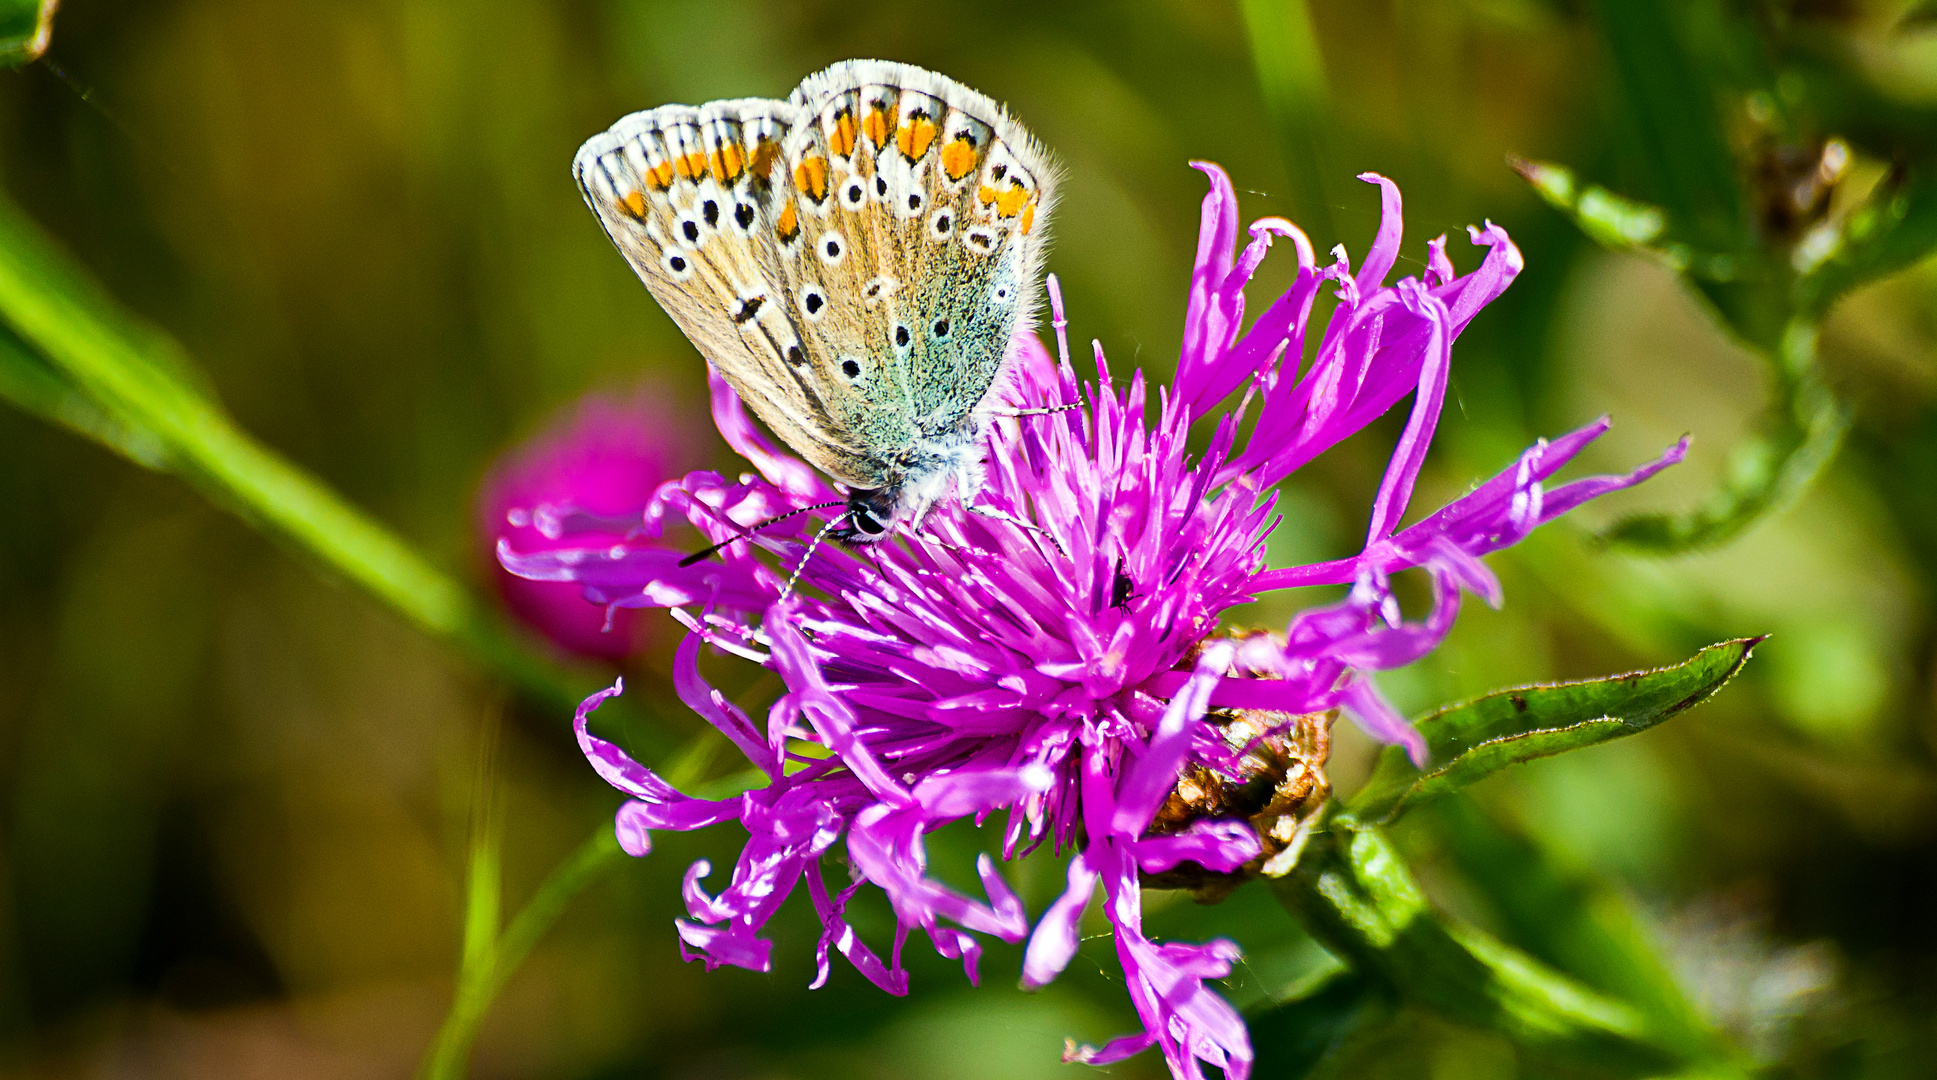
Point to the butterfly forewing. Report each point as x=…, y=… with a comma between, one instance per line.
x=694, y=199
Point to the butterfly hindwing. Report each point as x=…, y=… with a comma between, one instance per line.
x=935, y=205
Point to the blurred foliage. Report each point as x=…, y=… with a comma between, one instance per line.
x=238, y=802
x=25, y=27
x=1751, y=222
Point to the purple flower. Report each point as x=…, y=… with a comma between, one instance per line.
x=1063, y=676
x=585, y=480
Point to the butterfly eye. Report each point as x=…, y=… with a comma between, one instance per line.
x=812, y=302
x=866, y=523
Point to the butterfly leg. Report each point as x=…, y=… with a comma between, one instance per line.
x=1045, y=411
x=1001, y=515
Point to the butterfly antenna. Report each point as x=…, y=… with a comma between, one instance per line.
x=697, y=556
x=802, y=568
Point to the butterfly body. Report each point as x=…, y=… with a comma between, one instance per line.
x=855, y=261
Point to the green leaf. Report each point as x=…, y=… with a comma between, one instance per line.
x=1611, y=220
x=31, y=384
x=1468, y=742
x=1894, y=228
x=25, y=28
x=1570, y=917
x=1353, y=892
x=1619, y=223
x=490, y=965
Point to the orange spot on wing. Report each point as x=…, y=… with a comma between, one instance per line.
x=986, y=195
x=727, y=163
x=764, y=155
x=810, y=176
x=1028, y=217
x=841, y=141
x=788, y=225
x=634, y=203
x=958, y=157
x=879, y=124
x=918, y=136
x=660, y=176
x=689, y=166
x=1009, y=203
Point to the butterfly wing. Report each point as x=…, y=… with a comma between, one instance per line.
x=696, y=198
x=855, y=261
x=924, y=212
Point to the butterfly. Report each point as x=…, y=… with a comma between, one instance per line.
x=855, y=261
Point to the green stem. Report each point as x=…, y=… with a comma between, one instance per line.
x=1353, y=892
x=488, y=966
x=140, y=382
x=1572, y=919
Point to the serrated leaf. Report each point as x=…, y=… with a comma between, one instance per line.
x=1468, y=742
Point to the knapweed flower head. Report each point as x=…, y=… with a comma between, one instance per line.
x=583, y=480
x=1062, y=675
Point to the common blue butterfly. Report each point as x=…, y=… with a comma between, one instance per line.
x=855, y=261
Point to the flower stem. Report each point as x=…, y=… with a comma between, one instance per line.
x=489, y=964
x=1353, y=892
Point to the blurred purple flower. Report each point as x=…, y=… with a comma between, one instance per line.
x=1064, y=675
x=586, y=479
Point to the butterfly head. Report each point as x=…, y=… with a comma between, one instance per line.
x=926, y=473
x=871, y=515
